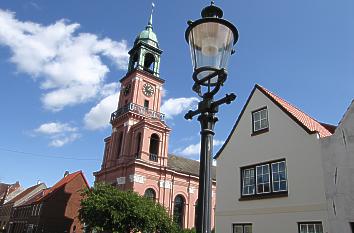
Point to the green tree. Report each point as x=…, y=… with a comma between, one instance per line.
x=107, y=209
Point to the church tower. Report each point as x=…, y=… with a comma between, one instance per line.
x=139, y=132
x=136, y=153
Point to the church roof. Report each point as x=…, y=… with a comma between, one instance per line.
x=189, y=166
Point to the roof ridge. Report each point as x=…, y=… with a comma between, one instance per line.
x=292, y=105
x=314, y=126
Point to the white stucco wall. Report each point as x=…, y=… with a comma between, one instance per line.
x=338, y=157
x=285, y=140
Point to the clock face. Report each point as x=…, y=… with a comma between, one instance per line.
x=127, y=90
x=148, y=89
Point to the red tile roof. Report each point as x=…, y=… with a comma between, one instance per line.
x=302, y=118
x=305, y=121
x=45, y=193
x=67, y=179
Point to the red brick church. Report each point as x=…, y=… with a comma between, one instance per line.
x=136, y=153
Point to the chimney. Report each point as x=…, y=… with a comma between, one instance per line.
x=66, y=173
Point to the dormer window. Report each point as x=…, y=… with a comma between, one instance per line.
x=260, y=121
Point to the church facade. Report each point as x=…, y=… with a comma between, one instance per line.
x=136, y=153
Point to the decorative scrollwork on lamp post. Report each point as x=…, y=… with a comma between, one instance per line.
x=211, y=40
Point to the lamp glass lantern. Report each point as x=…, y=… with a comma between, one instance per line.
x=210, y=39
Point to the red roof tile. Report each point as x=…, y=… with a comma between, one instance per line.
x=302, y=118
x=60, y=184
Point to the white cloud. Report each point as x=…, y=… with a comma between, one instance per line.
x=55, y=128
x=98, y=117
x=58, y=133
x=193, y=150
x=67, y=64
x=61, y=141
x=176, y=106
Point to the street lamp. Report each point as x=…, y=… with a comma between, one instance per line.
x=210, y=39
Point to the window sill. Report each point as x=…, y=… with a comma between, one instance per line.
x=264, y=196
x=260, y=132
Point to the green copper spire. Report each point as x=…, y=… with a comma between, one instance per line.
x=147, y=35
x=145, y=54
x=150, y=19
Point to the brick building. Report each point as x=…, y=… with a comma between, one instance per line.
x=53, y=210
x=136, y=154
x=24, y=196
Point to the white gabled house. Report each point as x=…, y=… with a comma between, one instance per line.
x=270, y=177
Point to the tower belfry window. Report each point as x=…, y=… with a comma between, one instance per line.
x=149, y=62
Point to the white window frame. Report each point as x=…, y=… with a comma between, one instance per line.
x=318, y=229
x=251, y=179
x=260, y=120
x=280, y=180
x=263, y=174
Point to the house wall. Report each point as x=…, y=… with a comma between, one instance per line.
x=338, y=157
x=60, y=210
x=285, y=139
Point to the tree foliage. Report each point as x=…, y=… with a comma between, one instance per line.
x=105, y=208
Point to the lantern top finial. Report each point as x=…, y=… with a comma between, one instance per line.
x=212, y=11
x=148, y=35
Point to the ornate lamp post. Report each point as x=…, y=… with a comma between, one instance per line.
x=211, y=39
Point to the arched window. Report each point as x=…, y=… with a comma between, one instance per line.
x=178, y=210
x=149, y=62
x=137, y=149
x=154, y=147
x=150, y=193
x=133, y=62
x=120, y=143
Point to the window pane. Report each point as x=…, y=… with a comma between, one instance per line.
x=283, y=185
x=257, y=125
x=266, y=188
x=248, y=181
x=248, y=228
x=275, y=166
x=264, y=124
x=238, y=229
x=276, y=186
x=263, y=113
x=282, y=176
x=256, y=116
x=319, y=228
x=311, y=228
x=275, y=177
x=303, y=228
x=279, y=176
x=266, y=179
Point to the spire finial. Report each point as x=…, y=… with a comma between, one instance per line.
x=212, y=3
x=150, y=19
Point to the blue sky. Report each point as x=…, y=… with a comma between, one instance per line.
x=60, y=62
